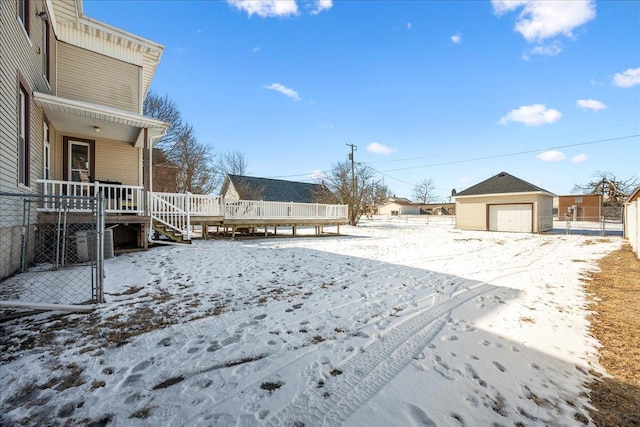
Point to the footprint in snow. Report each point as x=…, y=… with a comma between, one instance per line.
x=499, y=366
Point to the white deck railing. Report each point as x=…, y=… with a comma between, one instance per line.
x=119, y=199
x=251, y=209
x=175, y=210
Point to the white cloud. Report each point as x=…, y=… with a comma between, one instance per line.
x=409, y=26
x=376, y=147
x=541, y=20
x=256, y=49
x=317, y=175
x=284, y=90
x=551, y=156
x=266, y=8
x=322, y=5
x=591, y=104
x=595, y=82
x=531, y=115
x=551, y=49
x=627, y=78
x=456, y=38
x=579, y=158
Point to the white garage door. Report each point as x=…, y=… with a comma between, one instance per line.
x=511, y=218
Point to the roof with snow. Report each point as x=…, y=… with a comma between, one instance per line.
x=500, y=184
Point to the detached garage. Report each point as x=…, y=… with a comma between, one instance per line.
x=505, y=203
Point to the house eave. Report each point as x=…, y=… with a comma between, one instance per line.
x=543, y=193
x=85, y=118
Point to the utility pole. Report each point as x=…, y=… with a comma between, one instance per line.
x=353, y=169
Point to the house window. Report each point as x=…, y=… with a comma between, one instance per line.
x=46, y=151
x=23, y=14
x=577, y=200
x=23, y=137
x=46, y=54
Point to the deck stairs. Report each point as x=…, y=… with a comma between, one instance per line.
x=172, y=234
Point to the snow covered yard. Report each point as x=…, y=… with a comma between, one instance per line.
x=393, y=323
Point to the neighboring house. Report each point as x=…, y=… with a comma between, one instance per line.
x=504, y=203
x=438, y=208
x=239, y=187
x=580, y=207
x=399, y=206
x=71, y=97
x=632, y=220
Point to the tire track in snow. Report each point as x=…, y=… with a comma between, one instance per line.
x=367, y=372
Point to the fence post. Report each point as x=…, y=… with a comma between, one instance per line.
x=100, y=223
x=187, y=202
x=602, y=225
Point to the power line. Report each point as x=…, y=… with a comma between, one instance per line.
x=496, y=156
x=559, y=136
x=476, y=158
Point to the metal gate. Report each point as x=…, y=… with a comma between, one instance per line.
x=51, y=251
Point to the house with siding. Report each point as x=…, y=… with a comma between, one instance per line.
x=71, y=96
x=240, y=187
x=399, y=206
x=580, y=207
x=505, y=203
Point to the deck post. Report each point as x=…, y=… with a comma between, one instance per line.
x=187, y=208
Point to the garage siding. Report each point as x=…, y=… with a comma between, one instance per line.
x=472, y=212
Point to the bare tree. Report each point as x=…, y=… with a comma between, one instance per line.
x=196, y=172
x=165, y=109
x=354, y=190
x=231, y=162
x=614, y=191
x=423, y=191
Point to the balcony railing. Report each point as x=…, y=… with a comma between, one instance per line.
x=119, y=199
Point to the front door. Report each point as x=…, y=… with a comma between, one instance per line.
x=79, y=164
x=79, y=161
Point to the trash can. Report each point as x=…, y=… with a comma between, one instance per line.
x=86, y=244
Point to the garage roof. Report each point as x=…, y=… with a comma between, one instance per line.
x=500, y=184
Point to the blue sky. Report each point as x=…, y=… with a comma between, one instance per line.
x=455, y=91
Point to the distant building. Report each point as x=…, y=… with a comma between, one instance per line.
x=580, y=207
x=239, y=187
x=399, y=206
x=505, y=203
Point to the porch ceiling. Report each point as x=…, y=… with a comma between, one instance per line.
x=82, y=118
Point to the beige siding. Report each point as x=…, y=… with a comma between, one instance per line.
x=88, y=76
x=20, y=57
x=471, y=212
x=117, y=161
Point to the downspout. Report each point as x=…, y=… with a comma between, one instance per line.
x=150, y=141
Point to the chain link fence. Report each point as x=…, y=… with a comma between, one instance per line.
x=609, y=224
x=52, y=251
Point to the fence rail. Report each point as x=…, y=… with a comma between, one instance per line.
x=603, y=226
x=251, y=209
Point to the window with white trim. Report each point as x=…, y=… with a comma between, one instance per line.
x=46, y=151
x=46, y=53
x=23, y=137
x=23, y=13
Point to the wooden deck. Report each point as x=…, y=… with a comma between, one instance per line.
x=177, y=214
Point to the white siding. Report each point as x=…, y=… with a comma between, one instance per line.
x=20, y=57
x=87, y=76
